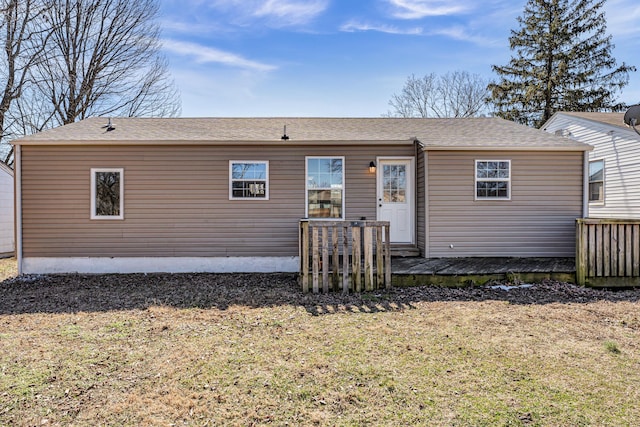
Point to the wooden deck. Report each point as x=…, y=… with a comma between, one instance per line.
x=478, y=271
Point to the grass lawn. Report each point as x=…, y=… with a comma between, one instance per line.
x=281, y=358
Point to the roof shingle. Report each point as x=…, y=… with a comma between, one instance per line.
x=433, y=134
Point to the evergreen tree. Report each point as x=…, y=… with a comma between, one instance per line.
x=562, y=60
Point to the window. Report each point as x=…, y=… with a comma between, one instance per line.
x=596, y=181
x=493, y=179
x=325, y=187
x=248, y=180
x=107, y=193
x=394, y=183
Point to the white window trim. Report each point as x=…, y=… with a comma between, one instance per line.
x=604, y=183
x=306, y=186
x=93, y=193
x=266, y=181
x=507, y=180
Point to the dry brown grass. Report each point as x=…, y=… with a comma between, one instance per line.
x=8, y=268
x=237, y=353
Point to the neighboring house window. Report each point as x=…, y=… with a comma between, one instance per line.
x=248, y=180
x=596, y=181
x=107, y=193
x=325, y=187
x=493, y=179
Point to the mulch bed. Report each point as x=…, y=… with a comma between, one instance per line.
x=85, y=293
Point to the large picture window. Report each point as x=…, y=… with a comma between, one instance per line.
x=596, y=181
x=248, y=180
x=493, y=179
x=107, y=193
x=325, y=187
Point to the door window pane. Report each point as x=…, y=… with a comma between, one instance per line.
x=394, y=183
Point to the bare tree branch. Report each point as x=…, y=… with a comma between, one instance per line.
x=416, y=98
x=454, y=94
x=20, y=27
x=65, y=60
x=460, y=94
x=104, y=59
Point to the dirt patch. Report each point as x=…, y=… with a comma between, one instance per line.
x=86, y=293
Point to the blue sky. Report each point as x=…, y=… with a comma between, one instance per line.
x=332, y=58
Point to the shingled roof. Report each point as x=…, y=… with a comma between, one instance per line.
x=433, y=134
x=613, y=119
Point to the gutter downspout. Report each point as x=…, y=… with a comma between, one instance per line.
x=419, y=151
x=415, y=191
x=17, y=189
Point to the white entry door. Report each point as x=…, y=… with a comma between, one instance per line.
x=396, y=197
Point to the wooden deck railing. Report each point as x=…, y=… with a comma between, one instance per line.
x=608, y=252
x=340, y=254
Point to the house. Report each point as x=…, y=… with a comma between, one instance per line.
x=227, y=194
x=7, y=240
x=614, y=163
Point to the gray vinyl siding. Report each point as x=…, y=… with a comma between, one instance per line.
x=176, y=199
x=620, y=150
x=538, y=221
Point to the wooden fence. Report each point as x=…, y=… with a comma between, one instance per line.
x=608, y=252
x=344, y=254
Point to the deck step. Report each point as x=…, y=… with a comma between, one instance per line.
x=404, y=251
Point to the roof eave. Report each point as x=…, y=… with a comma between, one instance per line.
x=506, y=148
x=287, y=143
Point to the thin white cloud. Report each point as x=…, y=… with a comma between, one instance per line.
x=417, y=9
x=354, y=26
x=191, y=27
x=291, y=12
x=461, y=33
x=205, y=54
x=275, y=13
x=622, y=18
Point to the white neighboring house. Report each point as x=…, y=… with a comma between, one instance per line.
x=614, y=163
x=7, y=239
